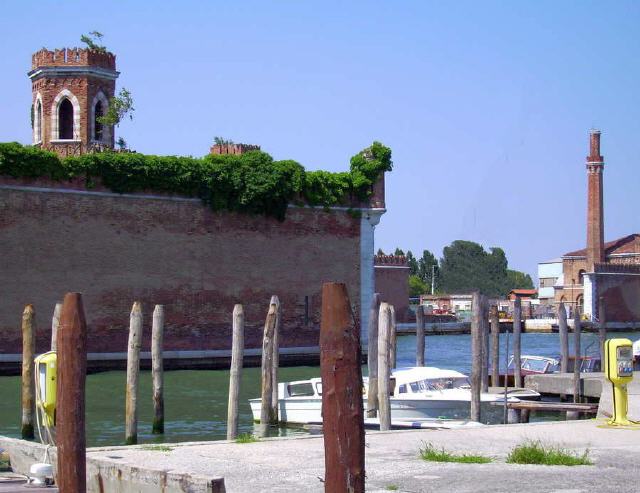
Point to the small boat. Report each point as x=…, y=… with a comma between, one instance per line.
x=420, y=394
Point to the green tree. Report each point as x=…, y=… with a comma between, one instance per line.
x=426, y=265
x=416, y=286
x=399, y=251
x=413, y=263
x=120, y=106
x=518, y=280
x=92, y=39
x=380, y=252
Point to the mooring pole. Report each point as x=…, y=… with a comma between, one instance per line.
x=266, y=409
x=276, y=359
x=55, y=323
x=517, y=338
x=577, y=362
x=342, y=407
x=372, y=358
x=484, y=327
x=495, y=346
x=133, y=373
x=420, y=342
x=602, y=329
x=235, y=373
x=70, y=390
x=476, y=356
x=393, y=339
x=563, y=332
x=384, y=372
x=28, y=384
x=157, y=370
x=506, y=376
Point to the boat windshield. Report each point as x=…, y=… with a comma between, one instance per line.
x=439, y=384
x=536, y=365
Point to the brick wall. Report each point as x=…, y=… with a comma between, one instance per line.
x=392, y=282
x=176, y=252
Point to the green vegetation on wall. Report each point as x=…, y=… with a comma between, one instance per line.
x=251, y=182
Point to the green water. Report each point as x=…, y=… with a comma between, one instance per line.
x=195, y=405
x=196, y=401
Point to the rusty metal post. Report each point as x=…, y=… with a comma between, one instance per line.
x=70, y=418
x=28, y=384
x=342, y=406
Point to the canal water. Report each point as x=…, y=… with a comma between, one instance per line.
x=196, y=401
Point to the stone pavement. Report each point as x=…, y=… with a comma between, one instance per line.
x=392, y=460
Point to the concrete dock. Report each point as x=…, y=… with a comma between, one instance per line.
x=297, y=464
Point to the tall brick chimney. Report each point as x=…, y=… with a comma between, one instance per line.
x=595, y=220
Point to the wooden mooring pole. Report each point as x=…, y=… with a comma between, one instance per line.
x=563, y=332
x=133, y=373
x=342, y=406
x=384, y=372
x=28, y=384
x=517, y=339
x=266, y=409
x=157, y=369
x=476, y=356
x=55, y=324
x=420, y=342
x=577, y=362
x=276, y=359
x=372, y=358
x=70, y=390
x=602, y=329
x=235, y=373
x=484, y=329
x=495, y=345
x=393, y=339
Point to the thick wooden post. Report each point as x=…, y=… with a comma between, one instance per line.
x=577, y=362
x=495, y=345
x=157, y=370
x=476, y=356
x=420, y=336
x=28, y=384
x=70, y=389
x=276, y=359
x=342, y=407
x=393, y=339
x=563, y=332
x=55, y=323
x=235, y=374
x=517, y=337
x=372, y=358
x=133, y=373
x=384, y=372
x=484, y=328
x=602, y=329
x=266, y=409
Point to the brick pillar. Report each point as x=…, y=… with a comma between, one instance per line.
x=595, y=221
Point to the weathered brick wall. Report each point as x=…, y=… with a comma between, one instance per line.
x=621, y=297
x=176, y=252
x=392, y=282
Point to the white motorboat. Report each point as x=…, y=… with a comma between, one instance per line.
x=420, y=393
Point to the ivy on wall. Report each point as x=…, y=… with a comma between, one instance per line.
x=252, y=182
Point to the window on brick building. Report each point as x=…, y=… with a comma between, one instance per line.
x=37, y=122
x=581, y=276
x=97, y=126
x=65, y=120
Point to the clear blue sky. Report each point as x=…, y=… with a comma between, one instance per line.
x=486, y=105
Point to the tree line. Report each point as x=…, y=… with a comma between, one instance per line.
x=464, y=266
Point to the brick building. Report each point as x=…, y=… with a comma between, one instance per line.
x=71, y=89
x=392, y=282
x=158, y=248
x=607, y=272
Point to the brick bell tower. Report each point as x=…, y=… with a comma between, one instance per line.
x=71, y=89
x=595, y=213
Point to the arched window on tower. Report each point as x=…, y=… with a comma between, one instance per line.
x=37, y=123
x=65, y=120
x=98, y=131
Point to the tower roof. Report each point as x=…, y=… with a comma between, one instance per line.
x=73, y=62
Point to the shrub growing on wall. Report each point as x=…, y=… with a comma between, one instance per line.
x=251, y=182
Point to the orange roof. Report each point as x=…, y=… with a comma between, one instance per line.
x=524, y=291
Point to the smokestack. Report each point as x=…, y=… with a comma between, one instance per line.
x=595, y=212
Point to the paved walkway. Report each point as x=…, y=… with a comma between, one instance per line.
x=297, y=464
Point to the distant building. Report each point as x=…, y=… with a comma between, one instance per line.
x=447, y=303
x=549, y=273
x=392, y=282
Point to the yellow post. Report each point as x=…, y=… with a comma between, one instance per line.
x=618, y=367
